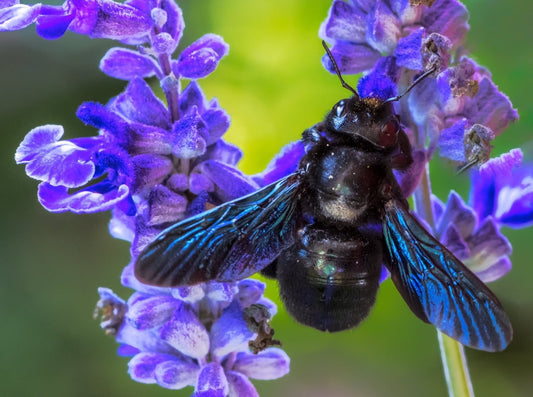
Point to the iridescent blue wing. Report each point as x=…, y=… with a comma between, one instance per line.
x=227, y=243
x=439, y=288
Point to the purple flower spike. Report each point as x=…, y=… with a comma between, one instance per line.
x=361, y=32
x=153, y=163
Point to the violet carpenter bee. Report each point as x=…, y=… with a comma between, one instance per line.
x=325, y=231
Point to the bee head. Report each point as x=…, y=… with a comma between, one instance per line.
x=371, y=119
x=368, y=118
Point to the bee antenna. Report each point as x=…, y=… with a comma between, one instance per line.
x=418, y=80
x=336, y=67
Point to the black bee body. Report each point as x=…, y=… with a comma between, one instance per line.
x=335, y=263
x=325, y=231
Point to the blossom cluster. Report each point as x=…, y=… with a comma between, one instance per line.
x=152, y=164
x=458, y=111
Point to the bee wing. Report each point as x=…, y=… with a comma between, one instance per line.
x=439, y=288
x=227, y=243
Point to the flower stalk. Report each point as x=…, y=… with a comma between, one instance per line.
x=455, y=367
x=452, y=352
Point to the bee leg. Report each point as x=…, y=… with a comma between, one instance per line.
x=403, y=159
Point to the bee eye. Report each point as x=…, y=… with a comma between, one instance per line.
x=340, y=109
x=389, y=132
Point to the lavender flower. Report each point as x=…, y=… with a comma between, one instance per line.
x=194, y=336
x=460, y=111
x=153, y=164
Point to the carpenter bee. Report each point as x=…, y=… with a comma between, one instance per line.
x=325, y=231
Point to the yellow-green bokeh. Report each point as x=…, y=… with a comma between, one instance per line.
x=273, y=85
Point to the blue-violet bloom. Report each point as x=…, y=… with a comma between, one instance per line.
x=153, y=164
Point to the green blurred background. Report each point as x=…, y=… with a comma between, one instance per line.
x=274, y=86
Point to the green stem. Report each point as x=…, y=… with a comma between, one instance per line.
x=452, y=352
x=455, y=367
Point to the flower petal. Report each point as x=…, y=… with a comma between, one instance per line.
x=176, y=374
x=165, y=206
x=146, y=340
x=190, y=294
x=51, y=160
x=191, y=97
x=383, y=28
x=230, y=332
x=151, y=312
x=459, y=214
x=186, y=333
x=122, y=226
x=488, y=247
x=189, y=136
x=490, y=107
x=451, y=141
x=212, y=382
x=139, y=103
x=283, y=163
x=141, y=367
x=272, y=363
x=175, y=24
x=58, y=199
x=230, y=183
x=221, y=292
x=218, y=122
x=107, y=19
x=351, y=58
x=250, y=291
x=150, y=170
x=240, y=385
x=17, y=16
x=407, y=51
x=447, y=17
x=126, y=64
x=224, y=152
x=53, y=25
x=201, y=57
x=344, y=22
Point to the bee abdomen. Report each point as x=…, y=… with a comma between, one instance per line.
x=329, y=279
